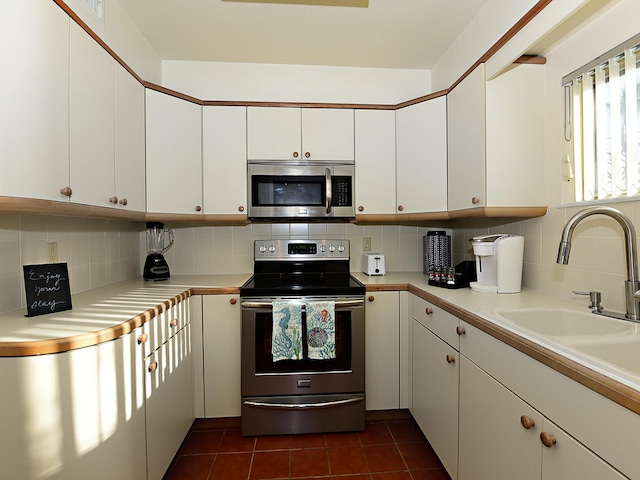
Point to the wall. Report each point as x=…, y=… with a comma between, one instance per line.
x=598, y=257
x=98, y=252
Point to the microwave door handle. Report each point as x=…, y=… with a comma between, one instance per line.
x=327, y=176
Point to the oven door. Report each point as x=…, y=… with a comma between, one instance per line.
x=262, y=376
x=300, y=191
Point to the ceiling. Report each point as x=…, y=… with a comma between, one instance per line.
x=408, y=34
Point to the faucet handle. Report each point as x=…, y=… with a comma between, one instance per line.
x=594, y=297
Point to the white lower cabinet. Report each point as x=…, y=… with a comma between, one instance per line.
x=435, y=394
x=501, y=436
x=221, y=343
x=382, y=350
x=169, y=400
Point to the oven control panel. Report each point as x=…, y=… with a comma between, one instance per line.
x=301, y=249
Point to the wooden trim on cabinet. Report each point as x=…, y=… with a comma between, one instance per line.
x=499, y=212
x=531, y=60
x=62, y=208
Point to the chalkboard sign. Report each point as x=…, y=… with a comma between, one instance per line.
x=47, y=288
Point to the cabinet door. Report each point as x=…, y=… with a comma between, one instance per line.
x=569, y=460
x=129, y=142
x=169, y=405
x=382, y=351
x=435, y=394
x=221, y=331
x=493, y=442
x=174, y=154
x=273, y=133
x=421, y=162
x=466, y=142
x=375, y=159
x=34, y=94
x=327, y=134
x=224, y=160
x=91, y=120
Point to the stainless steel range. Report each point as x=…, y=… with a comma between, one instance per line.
x=302, y=340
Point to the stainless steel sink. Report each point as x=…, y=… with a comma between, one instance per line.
x=558, y=322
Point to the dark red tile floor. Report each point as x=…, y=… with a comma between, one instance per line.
x=387, y=450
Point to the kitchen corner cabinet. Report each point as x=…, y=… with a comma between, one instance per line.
x=91, y=120
x=375, y=154
x=421, y=157
x=382, y=334
x=435, y=375
x=174, y=154
x=224, y=160
x=34, y=94
x=495, y=152
x=221, y=340
x=287, y=133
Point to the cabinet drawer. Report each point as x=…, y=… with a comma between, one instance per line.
x=164, y=326
x=442, y=323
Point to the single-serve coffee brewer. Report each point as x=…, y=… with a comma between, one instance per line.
x=498, y=263
x=155, y=266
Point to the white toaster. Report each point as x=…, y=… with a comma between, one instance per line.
x=373, y=264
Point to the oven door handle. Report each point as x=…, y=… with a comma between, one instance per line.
x=302, y=406
x=340, y=304
x=327, y=176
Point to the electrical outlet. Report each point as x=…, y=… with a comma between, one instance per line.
x=366, y=244
x=52, y=252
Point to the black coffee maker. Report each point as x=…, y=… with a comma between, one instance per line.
x=155, y=266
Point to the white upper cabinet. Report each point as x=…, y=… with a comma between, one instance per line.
x=275, y=133
x=224, y=164
x=496, y=139
x=91, y=120
x=129, y=142
x=421, y=157
x=174, y=155
x=34, y=99
x=375, y=154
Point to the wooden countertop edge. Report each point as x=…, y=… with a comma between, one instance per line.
x=605, y=386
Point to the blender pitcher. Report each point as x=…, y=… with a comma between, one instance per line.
x=155, y=266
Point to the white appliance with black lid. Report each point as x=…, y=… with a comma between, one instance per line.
x=302, y=394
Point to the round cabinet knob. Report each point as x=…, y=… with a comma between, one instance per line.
x=307, y=154
x=547, y=439
x=66, y=191
x=371, y=298
x=428, y=311
x=527, y=422
x=460, y=330
x=475, y=200
x=400, y=208
x=143, y=339
x=198, y=208
x=451, y=359
x=173, y=323
x=241, y=208
x=361, y=208
x=296, y=154
x=233, y=301
x=153, y=366
x=113, y=200
x=123, y=201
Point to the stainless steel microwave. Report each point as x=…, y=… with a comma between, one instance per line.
x=300, y=191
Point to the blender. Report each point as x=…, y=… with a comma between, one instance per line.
x=155, y=266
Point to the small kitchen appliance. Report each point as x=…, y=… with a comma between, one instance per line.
x=498, y=263
x=373, y=264
x=155, y=266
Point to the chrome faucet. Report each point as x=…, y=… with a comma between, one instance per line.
x=632, y=285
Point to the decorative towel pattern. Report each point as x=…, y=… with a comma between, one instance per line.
x=321, y=330
x=286, y=338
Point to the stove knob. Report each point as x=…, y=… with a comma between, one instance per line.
x=262, y=249
x=272, y=248
x=332, y=248
x=341, y=248
x=323, y=248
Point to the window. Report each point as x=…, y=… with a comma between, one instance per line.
x=602, y=108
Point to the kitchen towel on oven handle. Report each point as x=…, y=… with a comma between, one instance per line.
x=321, y=330
x=286, y=337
